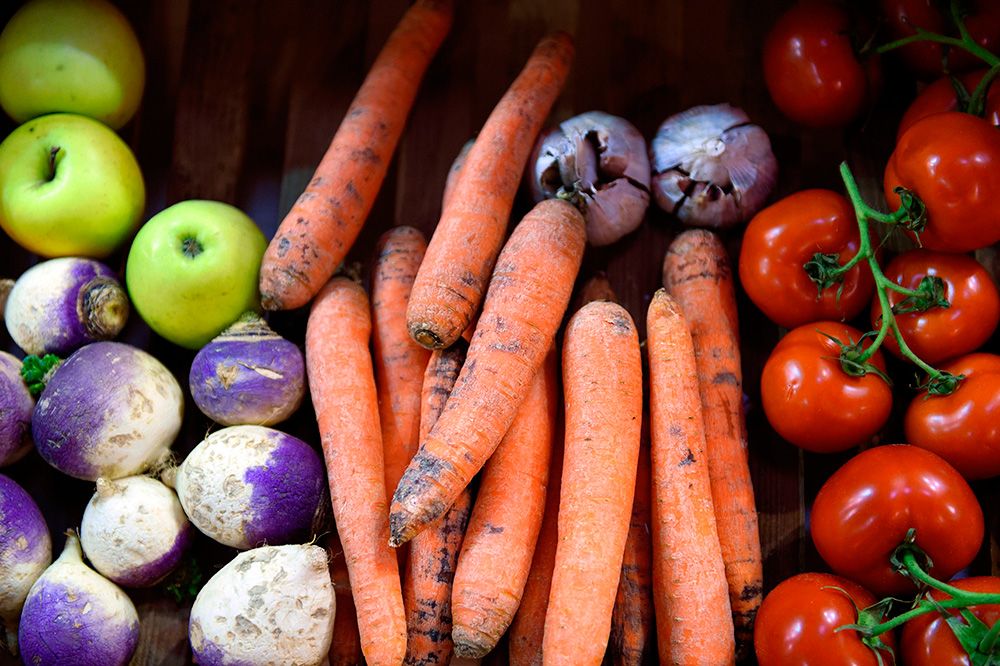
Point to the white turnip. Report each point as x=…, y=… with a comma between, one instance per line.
x=16, y=405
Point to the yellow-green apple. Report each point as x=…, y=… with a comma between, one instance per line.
x=69, y=186
x=74, y=56
x=192, y=270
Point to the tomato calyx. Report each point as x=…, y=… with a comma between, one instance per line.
x=854, y=358
x=869, y=619
x=825, y=270
x=928, y=294
x=912, y=213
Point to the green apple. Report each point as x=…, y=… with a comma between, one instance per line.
x=193, y=268
x=73, y=56
x=69, y=186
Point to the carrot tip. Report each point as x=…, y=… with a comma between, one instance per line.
x=427, y=338
x=399, y=530
x=269, y=302
x=470, y=643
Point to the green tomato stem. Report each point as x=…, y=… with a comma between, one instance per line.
x=989, y=642
x=926, y=36
x=977, y=101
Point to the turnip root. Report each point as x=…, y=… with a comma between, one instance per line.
x=134, y=531
x=25, y=552
x=109, y=410
x=246, y=486
x=73, y=615
x=270, y=605
x=16, y=405
x=248, y=375
x=59, y=305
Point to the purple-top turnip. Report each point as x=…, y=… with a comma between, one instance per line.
x=74, y=615
x=109, y=410
x=246, y=486
x=59, y=305
x=25, y=552
x=270, y=605
x=16, y=405
x=134, y=531
x=248, y=375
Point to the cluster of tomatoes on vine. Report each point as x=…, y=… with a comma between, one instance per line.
x=896, y=521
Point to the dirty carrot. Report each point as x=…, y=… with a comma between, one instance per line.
x=345, y=647
x=602, y=388
x=316, y=234
x=451, y=281
x=694, y=623
x=399, y=361
x=500, y=539
x=433, y=553
x=454, y=170
x=528, y=294
x=696, y=272
x=342, y=386
x=597, y=288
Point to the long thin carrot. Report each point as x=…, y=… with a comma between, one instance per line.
x=528, y=294
x=694, y=622
x=399, y=361
x=697, y=273
x=454, y=171
x=316, y=234
x=602, y=387
x=430, y=567
x=500, y=539
x=455, y=272
x=342, y=385
x=345, y=647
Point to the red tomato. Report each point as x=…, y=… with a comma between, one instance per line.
x=781, y=238
x=942, y=333
x=964, y=427
x=940, y=97
x=811, y=402
x=927, y=640
x=925, y=58
x=797, y=623
x=811, y=69
x=952, y=162
x=864, y=510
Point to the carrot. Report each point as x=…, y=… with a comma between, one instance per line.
x=342, y=385
x=345, y=647
x=434, y=552
x=602, y=386
x=454, y=171
x=399, y=361
x=528, y=294
x=597, y=288
x=694, y=622
x=451, y=281
x=696, y=272
x=316, y=234
x=500, y=539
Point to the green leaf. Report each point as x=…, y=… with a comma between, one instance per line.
x=36, y=370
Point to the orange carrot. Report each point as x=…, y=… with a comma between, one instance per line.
x=597, y=288
x=602, y=386
x=696, y=272
x=433, y=553
x=454, y=170
x=345, y=648
x=694, y=622
x=450, y=284
x=528, y=294
x=399, y=361
x=318, y=231
x=501, y=535
x=342, y=385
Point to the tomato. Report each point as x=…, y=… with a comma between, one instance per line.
x=942, y=333
x=964, y=427
x=925, y=58
x=927, y=640
x=952, y=162
x=781, y=238
x=864, y=510
x=811, y=70
x=797, y=623
x=940, y=97
x=808, y=398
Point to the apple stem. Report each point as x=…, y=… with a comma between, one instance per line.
x=53, y=154
x=191, y=247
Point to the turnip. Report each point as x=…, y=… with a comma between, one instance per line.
x=134, y=531
x=248, y=375
x=247, y=485
x=25, y=552
x=73, y=615
x=16, y=405
x=270, y=605
x=59, y=305
x=109, y=410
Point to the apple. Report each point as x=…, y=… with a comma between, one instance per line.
x=69, y=186
x=73, y=56
x=192, y=270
